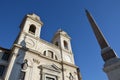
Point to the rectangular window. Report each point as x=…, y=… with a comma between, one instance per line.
x=49, y=78
x=2, y=69
x=5, y=56
x=22, y=75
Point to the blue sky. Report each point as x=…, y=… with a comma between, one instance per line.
x=70, y=16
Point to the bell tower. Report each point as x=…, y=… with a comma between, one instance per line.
x=30, y=26
x=112, y=61
x=62, y=40
x=29, y=33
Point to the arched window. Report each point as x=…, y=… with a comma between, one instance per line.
x=50, y=54
x=65, y=45
x=44, y=53
x=2, y=69
x=32, y=29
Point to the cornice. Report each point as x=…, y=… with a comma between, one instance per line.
x=36, y=20
x=70, y=64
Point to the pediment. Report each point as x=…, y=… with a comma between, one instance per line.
x=52, y=67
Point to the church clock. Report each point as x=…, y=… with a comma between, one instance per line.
x=67, y=58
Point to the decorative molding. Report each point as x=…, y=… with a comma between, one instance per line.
x=51, y=68
x=34, y=19
x=36, y=61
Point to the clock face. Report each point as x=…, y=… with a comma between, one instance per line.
x=68, y=59
x=29, y=42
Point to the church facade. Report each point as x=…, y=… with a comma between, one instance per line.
x=32, y=58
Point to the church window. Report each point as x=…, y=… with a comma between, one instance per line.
x=2, y=69
x=50, y=54
x=5, y=56
x=44, y=53
x=49, y=78
x=22, y=75
x=32, y=29
x=65, y=45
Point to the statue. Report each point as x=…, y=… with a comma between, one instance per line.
x=24, y=65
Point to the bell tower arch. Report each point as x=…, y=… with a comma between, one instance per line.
x=31, y=24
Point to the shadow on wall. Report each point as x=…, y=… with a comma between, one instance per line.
x=21, y=64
